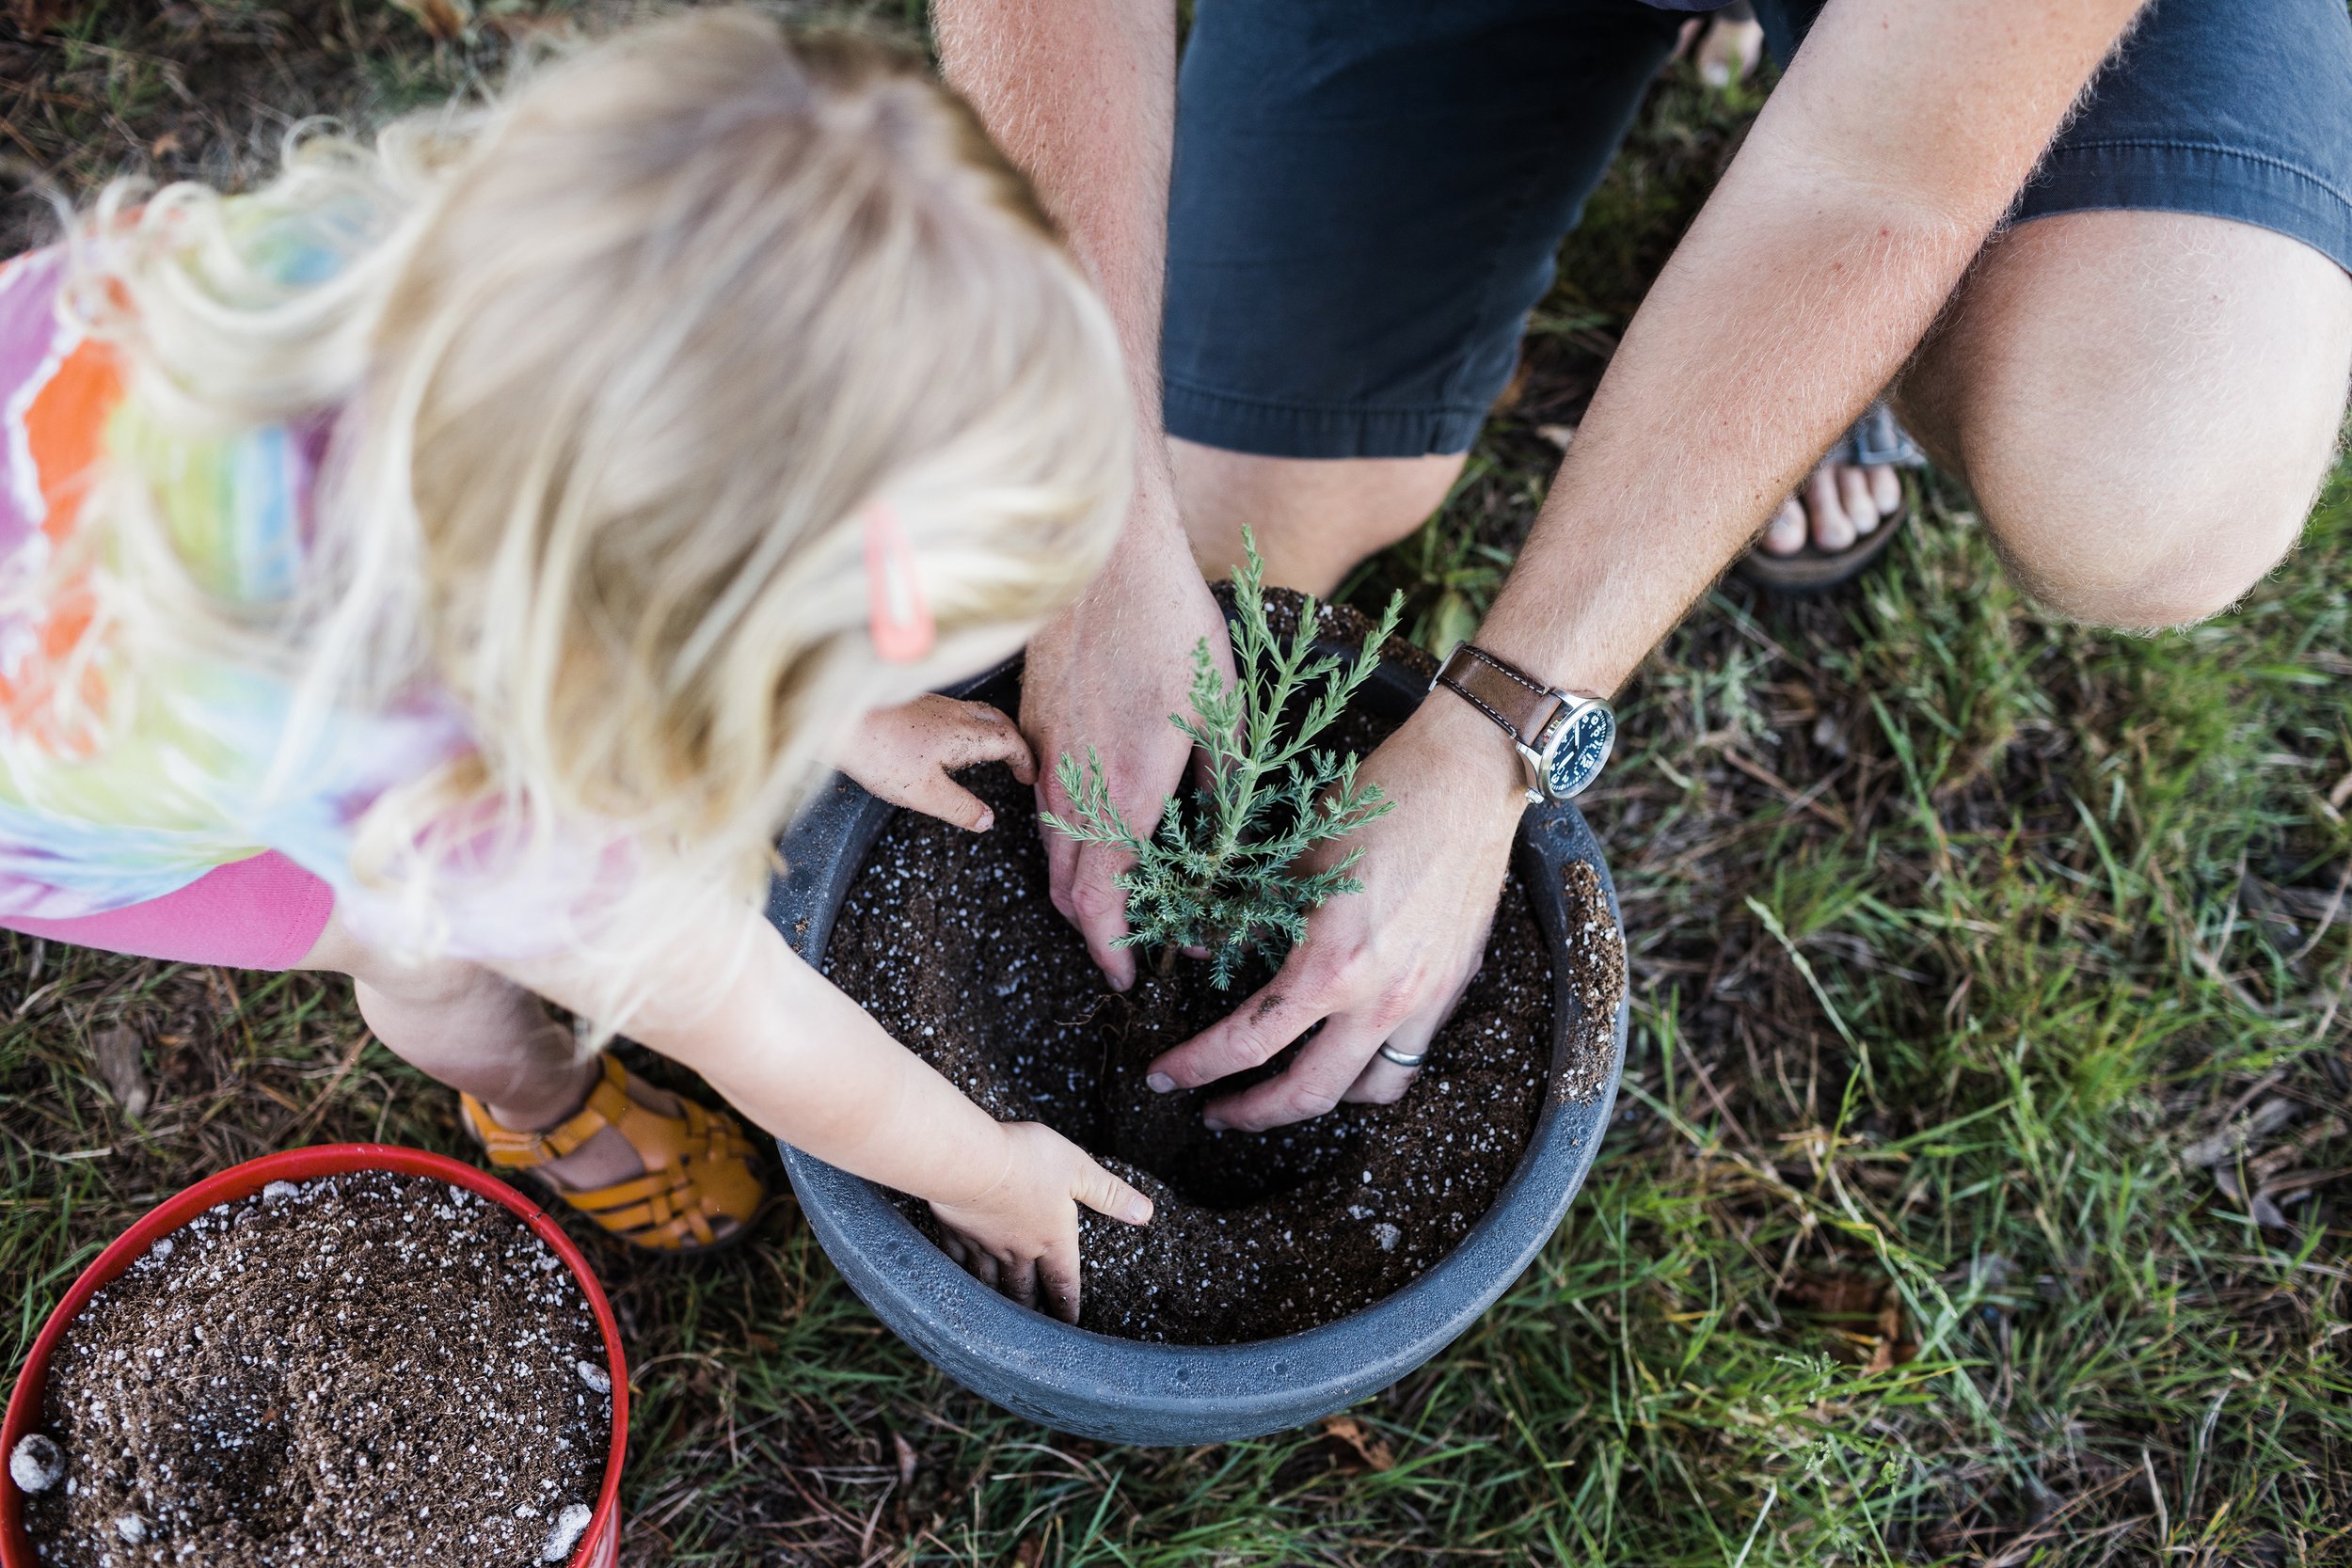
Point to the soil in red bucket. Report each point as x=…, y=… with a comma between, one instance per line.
x=949, y=939
x=359, y=1369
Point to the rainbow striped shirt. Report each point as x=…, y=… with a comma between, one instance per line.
x=171, y=780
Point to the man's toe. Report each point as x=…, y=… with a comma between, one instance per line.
x=1833, y=531
x=1886, y=489
x=1785, y=533
x=1854, y=490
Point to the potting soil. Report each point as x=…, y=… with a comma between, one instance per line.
x=949, y=939
x=353, y=1370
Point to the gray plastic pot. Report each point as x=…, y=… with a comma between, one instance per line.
x=1125, y=1390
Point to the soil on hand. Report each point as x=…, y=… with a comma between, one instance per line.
x=947, y=938
x=360, y=1368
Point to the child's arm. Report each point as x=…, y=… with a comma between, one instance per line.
x=803, y=1061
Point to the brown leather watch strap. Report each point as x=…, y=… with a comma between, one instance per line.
x=1503, y=692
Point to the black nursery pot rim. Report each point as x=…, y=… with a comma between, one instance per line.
x=1140, y=1391
x=1168, y=1394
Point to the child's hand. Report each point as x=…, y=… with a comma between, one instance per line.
x=1020, y=1235
x=904, y=755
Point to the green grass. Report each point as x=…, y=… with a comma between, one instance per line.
x=1894, y=1254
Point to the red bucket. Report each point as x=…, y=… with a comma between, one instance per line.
x=599, y=1548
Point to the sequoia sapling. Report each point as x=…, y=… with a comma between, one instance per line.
x=1221, y=872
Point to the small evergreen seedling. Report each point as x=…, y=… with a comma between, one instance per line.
x=1221, y=871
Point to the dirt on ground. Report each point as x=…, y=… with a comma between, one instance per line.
x=361, y=1369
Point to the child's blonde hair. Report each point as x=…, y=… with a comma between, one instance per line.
x=628, y=356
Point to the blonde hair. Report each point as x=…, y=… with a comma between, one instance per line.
x=626, y=357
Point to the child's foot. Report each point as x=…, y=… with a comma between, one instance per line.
x=654, y=1169
x=606, y=1157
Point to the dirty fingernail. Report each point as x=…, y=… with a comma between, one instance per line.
x=1160, y=1083
x=988, y=821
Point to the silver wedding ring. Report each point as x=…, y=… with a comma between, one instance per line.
x=1393, y=1054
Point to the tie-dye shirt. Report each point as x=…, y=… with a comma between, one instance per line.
x=171, y=777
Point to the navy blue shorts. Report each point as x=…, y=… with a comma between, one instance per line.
x=1369, y=193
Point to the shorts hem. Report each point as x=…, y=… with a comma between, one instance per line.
x=2203, y=179
x=1267, y=429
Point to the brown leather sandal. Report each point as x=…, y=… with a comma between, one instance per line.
x=1874, y=439
x=699, y=1169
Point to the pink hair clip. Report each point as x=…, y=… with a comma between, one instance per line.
x=895, y=611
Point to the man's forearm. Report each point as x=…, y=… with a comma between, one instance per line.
x=1736, y=375
x=1871, y=181
x=1081, y=94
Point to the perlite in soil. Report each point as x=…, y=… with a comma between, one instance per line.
x=357, y=1368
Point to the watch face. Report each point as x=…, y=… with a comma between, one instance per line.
x=1575, y=756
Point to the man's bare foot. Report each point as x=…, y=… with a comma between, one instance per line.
x=1837, y=508
x=1728, y=50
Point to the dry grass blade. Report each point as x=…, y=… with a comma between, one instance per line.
x=117, y=1050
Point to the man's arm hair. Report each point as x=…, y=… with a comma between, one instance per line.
x=1081, y=94
x=1890, y=150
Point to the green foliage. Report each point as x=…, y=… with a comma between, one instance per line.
x=1221, y=871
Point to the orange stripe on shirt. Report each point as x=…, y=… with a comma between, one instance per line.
x=64, y=429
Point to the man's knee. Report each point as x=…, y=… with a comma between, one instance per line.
x=2145, y=403
x=2143, y=544
x=1313, y=518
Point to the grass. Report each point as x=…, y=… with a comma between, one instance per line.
x=1963, y=939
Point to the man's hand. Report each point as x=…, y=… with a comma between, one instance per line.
x=1388, y=963
x=1107, y=673
x=1020, y=1235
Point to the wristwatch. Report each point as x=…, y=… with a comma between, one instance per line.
x=1563, y=737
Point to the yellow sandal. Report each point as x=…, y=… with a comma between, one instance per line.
x=699, y=1169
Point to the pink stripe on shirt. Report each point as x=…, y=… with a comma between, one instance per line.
x=265, y=912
